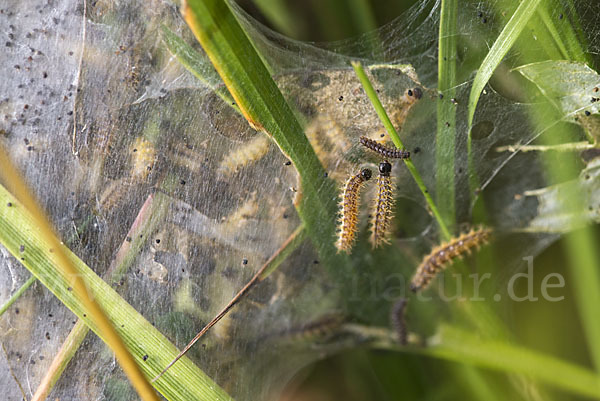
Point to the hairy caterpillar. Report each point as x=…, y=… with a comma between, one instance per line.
x=444, y=254
x=397, y=318
x=142, y=159
x=335, y=135
x=384, y=203
x=384, y=150
x=113, y=194
x=251, y=152
x=349, y=206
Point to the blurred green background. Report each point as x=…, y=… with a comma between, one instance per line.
x=324, y=20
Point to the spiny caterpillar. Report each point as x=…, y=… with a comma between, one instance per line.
x=398, y=320
x=384, y=150
x=384, y=204
x=349, y=206
x=444, y=254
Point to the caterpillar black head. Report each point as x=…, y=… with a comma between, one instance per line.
x=416, y=92
x=385, y=168
x=366, y=174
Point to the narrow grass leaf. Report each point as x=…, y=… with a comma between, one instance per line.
x=463, y=347
x=65, y=267
x=501, y=46
x=17, y=294
x=18, y=228
x=446, y=111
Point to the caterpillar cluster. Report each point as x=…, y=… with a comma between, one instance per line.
x=349, y=210
x=383, y=206
x=384, y=150
x=446, y=253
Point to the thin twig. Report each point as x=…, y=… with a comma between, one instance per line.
x=79, y=67
x=564, y=147
x=274, y=259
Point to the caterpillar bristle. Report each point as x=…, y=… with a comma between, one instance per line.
x=446, y=253
x=384, y=150
x=349, y=210
x=383, y=207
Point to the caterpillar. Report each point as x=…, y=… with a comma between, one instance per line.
x=384, y=150
x=335, y=135
x=313, y=135
x=444, y=254
x=398, y=320
x=143, y=158
x=384, y=204
x=320, y=328
x=349, y=207
x=113, y=194
x=251, y=152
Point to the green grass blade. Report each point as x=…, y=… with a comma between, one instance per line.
x=584, y=269
x=150, y=215
x=61, y=360
x=460, y=346
x=566, y=86
x=265, y=108
x=389, y=127
x=501, y=46
x=446, y=112
x=17, y=294
x=184, y=382
x=65, y=267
